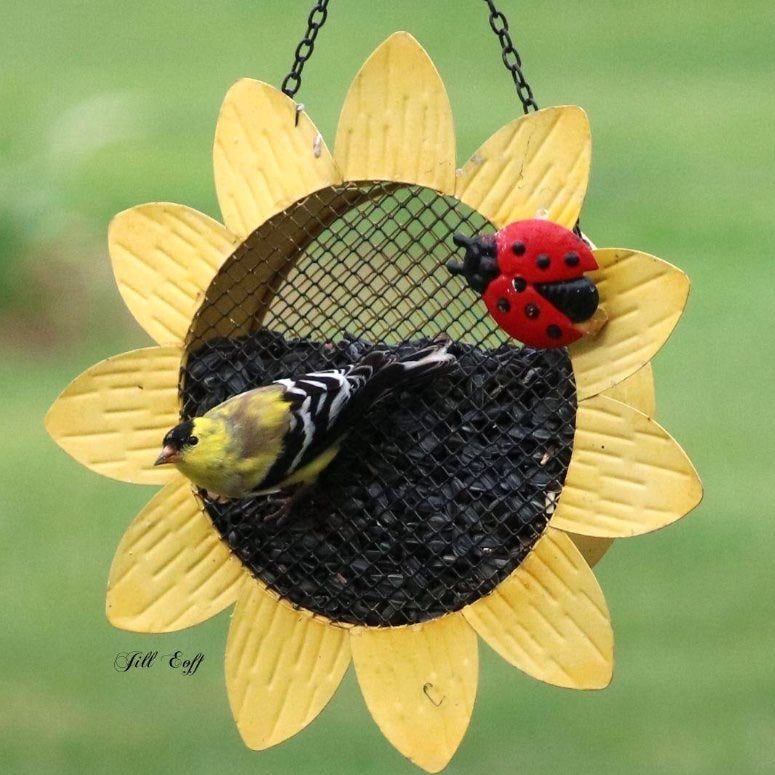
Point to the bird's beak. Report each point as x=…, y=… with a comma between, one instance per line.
x=168, y=455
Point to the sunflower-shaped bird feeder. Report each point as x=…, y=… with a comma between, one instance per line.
x=359, y=453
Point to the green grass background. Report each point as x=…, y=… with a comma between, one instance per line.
x=108, y=104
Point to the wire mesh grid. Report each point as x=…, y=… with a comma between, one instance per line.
x=439, y=492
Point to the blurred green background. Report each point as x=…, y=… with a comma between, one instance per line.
x=104, y=105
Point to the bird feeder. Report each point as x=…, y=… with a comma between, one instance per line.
x=474, y=507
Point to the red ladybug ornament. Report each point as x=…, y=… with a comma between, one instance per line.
x=530, y=275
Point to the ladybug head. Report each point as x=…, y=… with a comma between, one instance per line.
x=530, y=275
x=480, y=264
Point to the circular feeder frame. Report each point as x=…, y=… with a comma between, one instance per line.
x=438, y=494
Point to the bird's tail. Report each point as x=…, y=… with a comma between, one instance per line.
x=381, y=373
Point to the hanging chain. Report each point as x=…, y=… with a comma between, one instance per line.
x=498, y=23
x=317, y=18
x=511, y=58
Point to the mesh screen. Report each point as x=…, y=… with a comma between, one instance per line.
x=439, y=492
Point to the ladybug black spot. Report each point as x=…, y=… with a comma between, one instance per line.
x=520, y=284
x=554, y=331
x=518, y=248
x=503, y=305
x=532, y=311
x=572, y=258
x=543, y=261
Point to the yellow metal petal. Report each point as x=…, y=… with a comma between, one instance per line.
x=549, y=618
x=637, y=390
x=537, y=166
x=396, y=121
x=113, y=417
x=592, y=548
x=171, y=569
x=627, y=475
x=419, y=683
x=164, y=257
x=643, y=297
x=282, y=666
x=263, y=159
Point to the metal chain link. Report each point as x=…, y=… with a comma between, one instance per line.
x=317, y=18
x=500, y=26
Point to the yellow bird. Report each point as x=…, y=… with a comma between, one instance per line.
x=283, y=435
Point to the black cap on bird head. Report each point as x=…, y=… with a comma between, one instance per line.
x=174, y=441
x=480, y=265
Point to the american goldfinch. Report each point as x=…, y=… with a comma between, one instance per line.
x=283, y=435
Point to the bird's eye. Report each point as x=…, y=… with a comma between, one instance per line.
x=193, y=440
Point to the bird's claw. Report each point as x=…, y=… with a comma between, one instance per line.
x=281, y=513
x=285, y=501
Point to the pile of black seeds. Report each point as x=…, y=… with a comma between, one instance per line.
x=438, y=495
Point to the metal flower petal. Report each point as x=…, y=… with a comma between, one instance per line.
x=643, y=298
x=627, y=475
x=112, y=417
x=164, y=257
x=282, y=666
x=419, y=683
x=549, y=618
x=636, y=390
x=396, y=121
x=264, y=159
x=535, y=167
x=171, y=569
